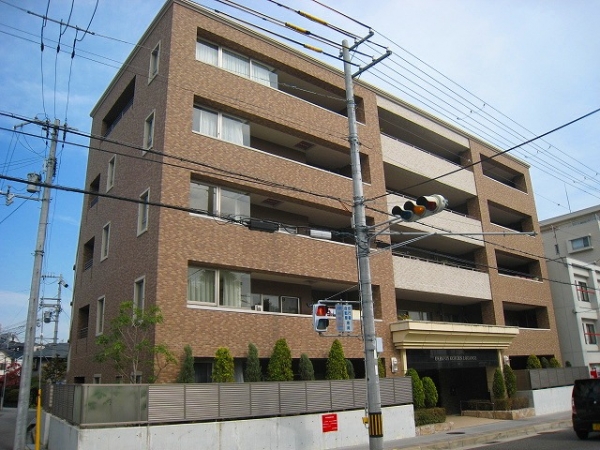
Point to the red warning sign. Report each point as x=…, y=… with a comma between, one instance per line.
x=330, y=422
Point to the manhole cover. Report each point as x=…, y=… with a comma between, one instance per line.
x=456, y=432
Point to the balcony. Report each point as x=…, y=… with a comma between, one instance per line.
x=408, y=334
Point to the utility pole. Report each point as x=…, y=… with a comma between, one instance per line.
x=26, y=368
x=364, y=269
x=54, y=314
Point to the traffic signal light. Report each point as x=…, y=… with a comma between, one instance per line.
x=320, y=320
x=423, y=207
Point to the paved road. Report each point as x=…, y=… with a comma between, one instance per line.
x=547, y=440
x=8, y=419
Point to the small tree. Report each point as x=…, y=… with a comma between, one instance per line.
x=430, y=391
x=417, y=388
x=54, y=370
x=510, y=381
x=544, y=362
x=498, y=387
x=554, y=363
x=533, y=362
x=128, y=343
x=223, y=370
x=280, y=364
x=186, y=373
x=253, y=371
x=350, y=370
x=381, y=368
x=336, y=363
x=307, y=372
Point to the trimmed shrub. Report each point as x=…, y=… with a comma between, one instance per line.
x=554, y=363
x=510, y=381
x=186, y=374
x=253, y=371
x=568, y=364
x=519, y=402
x=427, y=416
x=417, y=388
x=336, y=363
x=307, y=371
x=280, y=364
x=381, y=368
x=223, y=371
x=350, y=370
x=430, y=391
x=498, y=387
x=544, y=362
x=533, y=362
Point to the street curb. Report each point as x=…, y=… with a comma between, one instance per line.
x=487, y=437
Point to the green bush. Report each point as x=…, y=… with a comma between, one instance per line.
x=307, y=371
x=336, y=363
x=554, y=363
x=253, y=371
x=350, y=369
x=417, y=388
x=533, y=362
x=381, y=368
x=223, y=370
x=510, y=380
x=430, y=391
x=280, y=364
x=568, y=364
x=544, y=362
x=509, y=404
x=498, y=387
x=426, y=416
x=186, y=373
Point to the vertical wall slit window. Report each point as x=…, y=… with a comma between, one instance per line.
x=154, y=60
x=110, y=173
x=105, y=241
x=143, y=209
x=100, y=316
x=216, y=55
x=139, y=293
x=221, y=126
x=149, y=131
x=218, y=201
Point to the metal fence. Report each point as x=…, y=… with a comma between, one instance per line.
x=531, y=379
x=93, y=405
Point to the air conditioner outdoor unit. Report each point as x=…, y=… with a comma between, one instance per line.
x=257, y=307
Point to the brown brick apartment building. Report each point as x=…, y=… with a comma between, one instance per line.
x=237, y=147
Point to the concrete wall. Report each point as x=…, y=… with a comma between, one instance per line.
x=549, y=401
x=276, y=433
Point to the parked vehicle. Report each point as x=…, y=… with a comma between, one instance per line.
x=585, y=402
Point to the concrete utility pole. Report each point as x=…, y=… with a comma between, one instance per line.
x=26, y=368
x=364, y=269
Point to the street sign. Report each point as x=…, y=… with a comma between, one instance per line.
x=343, y=318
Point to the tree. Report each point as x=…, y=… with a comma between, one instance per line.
x=498, y=387
x=430, y=391
x=381, y=368
x=54, y=370
x=128, y=343
x=336, y=363
x=223, y=370
x=554, y=363
x=350, y=369
x=307, y=371
x=253, y=371
x=280, y=364
x=533, y=362
x=544, y=362
x=186, y=374
x=510, y=381
x=417, y=387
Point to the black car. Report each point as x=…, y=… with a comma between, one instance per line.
x=585, y=403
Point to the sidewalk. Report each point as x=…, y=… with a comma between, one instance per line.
x=470, y=431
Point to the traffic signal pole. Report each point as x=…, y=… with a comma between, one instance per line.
x=364, y=269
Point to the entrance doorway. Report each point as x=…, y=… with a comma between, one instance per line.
x=456, y=385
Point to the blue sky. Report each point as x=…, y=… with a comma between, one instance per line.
x=531, y=65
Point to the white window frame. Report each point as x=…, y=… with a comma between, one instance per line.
x=104, y=248
x=220, y=132
x=217, y=289
x=287, y=298
x=217, y=197
x=589, y=332
x=110, y=173
x=100, y=307
x=583, y=294
x=97, y=379
x=586, y=242
x=139, y=293
x=154, y=62
x=143, y=212
x=149, y=125
x=253, y=64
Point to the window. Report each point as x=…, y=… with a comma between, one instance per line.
x=105, y=241
x=110, y=173
x=88, y=254
x=149, y=131
x=218, y=201
x=154, y=59
x=583, y=294
x=143, y=212
x=220, y=126
x=222, y=287
x=589, y=331
x=139, y=293
x=83, y=319
x=235, y=63
x=100, y=316
x=580, y=243
x=290, y=305
x=94, y=189
x=97, y=378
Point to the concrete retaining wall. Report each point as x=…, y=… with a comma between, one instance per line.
x=274, y=433
x=550, y=400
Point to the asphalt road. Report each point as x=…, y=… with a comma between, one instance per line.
x=8, y=419
x=561, y=439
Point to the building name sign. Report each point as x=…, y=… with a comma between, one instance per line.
x=451, y=358
x=456, y=358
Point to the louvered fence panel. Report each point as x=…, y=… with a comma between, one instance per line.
x=234, y=400
x=318, y=396
x=166, y=402
x=341, y=394
x=264, y=399
x=292, y=397
x=201, y=401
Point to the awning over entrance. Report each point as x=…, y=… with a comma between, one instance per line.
x=414, y=334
